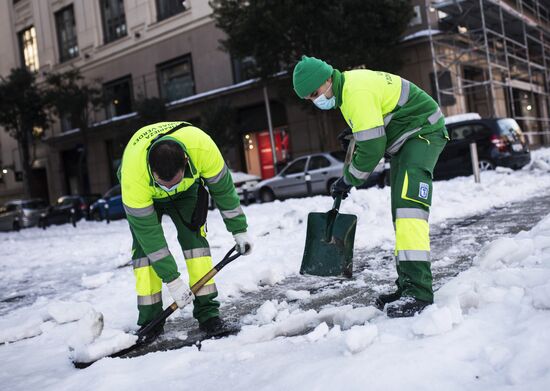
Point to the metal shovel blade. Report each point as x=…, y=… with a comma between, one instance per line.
x=329, y=244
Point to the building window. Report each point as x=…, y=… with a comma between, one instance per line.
x=243, y=68
x=167, y=8
x=417, y=16
x=119, y=97
x=66, y=33
x=29, y=49
x=176, y=79
x=114, y=20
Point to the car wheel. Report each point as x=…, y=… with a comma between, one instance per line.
x=16, y=226
x=266, y=195
x=486, y=165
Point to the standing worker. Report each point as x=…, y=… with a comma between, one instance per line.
x=390, y=116
x=163, y=170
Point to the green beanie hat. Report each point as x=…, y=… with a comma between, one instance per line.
x=309, y=74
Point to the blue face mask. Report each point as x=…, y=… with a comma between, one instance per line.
x=323, y=102
x=168, y=189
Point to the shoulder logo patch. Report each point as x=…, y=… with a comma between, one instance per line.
x=424, y=190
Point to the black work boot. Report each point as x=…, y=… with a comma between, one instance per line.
x=216, y=327
x=405, y=307
x=382, y=300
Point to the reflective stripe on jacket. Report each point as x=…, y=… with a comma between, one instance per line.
x=383, y=111
x=139, y=190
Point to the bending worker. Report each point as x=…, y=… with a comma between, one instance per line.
x=390, y=116
x=163, y=170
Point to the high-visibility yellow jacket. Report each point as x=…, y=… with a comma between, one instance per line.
x=383, y=111
x=139, y=189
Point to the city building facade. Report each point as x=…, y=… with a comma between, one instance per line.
x=142, y=49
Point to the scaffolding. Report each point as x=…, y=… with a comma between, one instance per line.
x=493, y=57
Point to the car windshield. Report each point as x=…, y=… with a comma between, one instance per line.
x=339, y=155
x=508, y=126
x=112, y=192
x=66, y=200
x=91, y=198
x=34, y=204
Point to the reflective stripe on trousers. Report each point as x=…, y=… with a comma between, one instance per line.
x=412, y=235
x=148, y=284
x=199, y=262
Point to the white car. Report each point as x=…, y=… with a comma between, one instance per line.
x=311, y=175
x=245, y=185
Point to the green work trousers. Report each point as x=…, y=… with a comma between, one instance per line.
x=196, y=251
x=411, y=173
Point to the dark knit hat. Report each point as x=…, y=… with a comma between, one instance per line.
x=309, y=74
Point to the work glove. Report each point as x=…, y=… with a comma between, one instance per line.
x=243, y=243
x=340, y=187
x=181, y=294
x=345, y=137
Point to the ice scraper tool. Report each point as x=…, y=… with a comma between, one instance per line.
x=151, y=326
x=330, y=238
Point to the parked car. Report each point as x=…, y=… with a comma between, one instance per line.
x=86, y=203
x=9, y=218
x=68, y=209
x=310, y=175
x=500, y=142
x=109, y=207
x=28, y=211
x=245, y=184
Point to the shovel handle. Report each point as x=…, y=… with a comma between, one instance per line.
x=337, y=202
x=347, y=161
x=195, y=288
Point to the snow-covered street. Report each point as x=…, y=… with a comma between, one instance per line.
x=488, y=330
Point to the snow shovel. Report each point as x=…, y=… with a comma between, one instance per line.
x=329, y=239
x=144, y=332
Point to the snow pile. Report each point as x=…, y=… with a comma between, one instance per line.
x=273, y=319
x=438, y=320
x=111, y=341
x=96, y=280
x=360, y=337
x=67, y=311
x=319, y=332
x=17, y=329
x=297, y=295
x=539, y=161
x=488, y=328
x=28, y=324
x=87, y=330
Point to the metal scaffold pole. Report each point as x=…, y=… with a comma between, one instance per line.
x=490, y=89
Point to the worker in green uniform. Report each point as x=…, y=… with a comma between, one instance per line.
x=388, y=116
x=163, y=172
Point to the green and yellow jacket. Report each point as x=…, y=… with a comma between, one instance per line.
x=383, y=111
x=139, y=190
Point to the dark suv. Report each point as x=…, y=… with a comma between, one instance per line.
x=68, y=209
x=500, y=142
